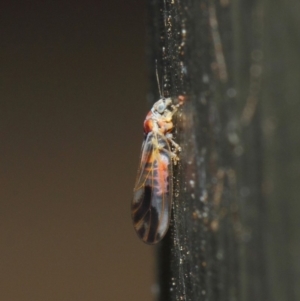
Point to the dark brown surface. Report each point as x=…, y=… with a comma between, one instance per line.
x=72, y=102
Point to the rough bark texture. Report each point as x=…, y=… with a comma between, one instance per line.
x=234, y=229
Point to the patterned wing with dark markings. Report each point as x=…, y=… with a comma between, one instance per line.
x=151, y=206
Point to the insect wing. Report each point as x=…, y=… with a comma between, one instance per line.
x=151, y=206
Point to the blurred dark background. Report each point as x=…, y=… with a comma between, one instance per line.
x=73, y=92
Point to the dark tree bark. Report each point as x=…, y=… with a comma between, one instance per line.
x=233, y=228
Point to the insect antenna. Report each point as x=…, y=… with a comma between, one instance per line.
x=157, y=79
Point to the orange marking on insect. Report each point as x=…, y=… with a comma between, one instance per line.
x=162, y=177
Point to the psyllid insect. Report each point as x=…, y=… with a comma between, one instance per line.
x=153, y=190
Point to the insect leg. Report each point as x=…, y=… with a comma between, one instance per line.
x=174, y=157
x=172, y=154
x=169, y=137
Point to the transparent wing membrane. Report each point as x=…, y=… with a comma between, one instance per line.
x=151, y=206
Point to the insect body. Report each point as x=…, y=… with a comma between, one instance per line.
x=152, y=199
